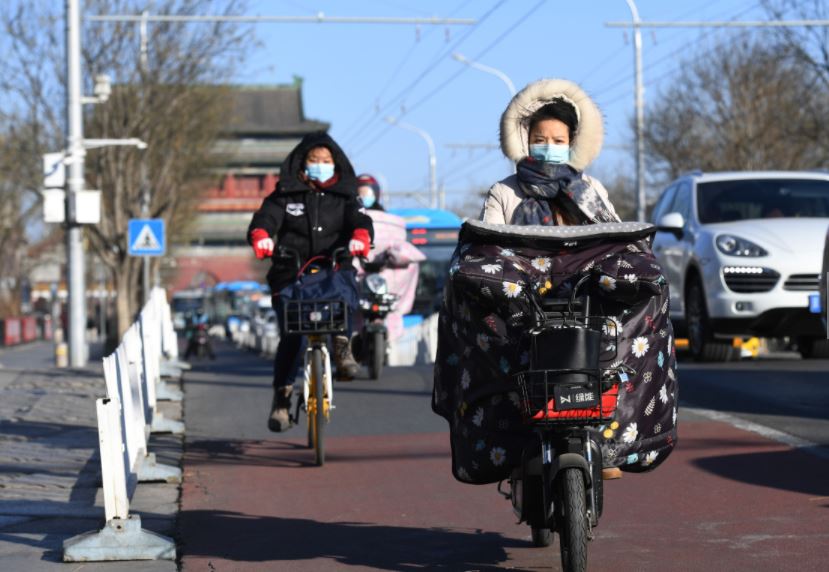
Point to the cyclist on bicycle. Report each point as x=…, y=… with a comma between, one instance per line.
x=313, y=211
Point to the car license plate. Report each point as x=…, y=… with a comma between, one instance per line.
x=814, y=303
x=575, y=397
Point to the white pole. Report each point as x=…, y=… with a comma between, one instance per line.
x=640, y=114
x=433, y=185
x=487, y=69
x=75, y=182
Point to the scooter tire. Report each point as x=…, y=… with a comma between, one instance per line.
x=542, y=537
x=377, y=355
x=572, y=520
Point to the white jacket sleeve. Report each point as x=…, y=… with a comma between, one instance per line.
x=493, y=210
x=596, y=184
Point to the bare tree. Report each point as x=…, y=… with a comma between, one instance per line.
x=745, y=104
x=170, y=103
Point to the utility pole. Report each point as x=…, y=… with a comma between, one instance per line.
x=639, y=102
x=75, y=263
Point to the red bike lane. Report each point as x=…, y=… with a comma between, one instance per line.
x=727, y=499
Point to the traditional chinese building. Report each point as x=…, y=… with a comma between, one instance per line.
x=264, y=124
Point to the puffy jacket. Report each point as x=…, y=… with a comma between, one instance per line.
x=312, y=221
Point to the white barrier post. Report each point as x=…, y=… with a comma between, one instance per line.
x=122, y=537
x=150, y=318
x=142, y=462
x=137, y=358
x=171, y=366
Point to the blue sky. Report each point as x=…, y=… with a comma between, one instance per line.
x=350, y=70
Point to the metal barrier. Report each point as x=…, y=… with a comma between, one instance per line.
x=126, y=417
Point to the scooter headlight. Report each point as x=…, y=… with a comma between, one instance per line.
x=377, y=284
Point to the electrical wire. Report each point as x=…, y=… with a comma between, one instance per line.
x=455, y=75
x=366, y=114
x=428, y=69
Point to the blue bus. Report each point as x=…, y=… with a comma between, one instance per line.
x=435, y=233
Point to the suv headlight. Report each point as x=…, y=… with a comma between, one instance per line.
x=736, y=246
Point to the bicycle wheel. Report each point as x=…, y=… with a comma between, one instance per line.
x=572, y=520
x=318, y=421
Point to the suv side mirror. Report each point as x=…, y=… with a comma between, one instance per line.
x=673, y=223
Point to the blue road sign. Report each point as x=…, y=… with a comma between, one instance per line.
x=146, y=237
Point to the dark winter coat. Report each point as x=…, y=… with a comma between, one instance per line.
x=313, y=222
x=483, y=325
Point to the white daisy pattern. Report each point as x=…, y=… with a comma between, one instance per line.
x=512, y=289
x=663, y=394
x=466, y=379
x=497, y=455
x=541, y=263
x=631, y=277
x=640, y=346
x=491, y=268
x=650, y=458
x=478, y=418
x=607, y=282
x=630, y=434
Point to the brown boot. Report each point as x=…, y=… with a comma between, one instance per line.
x=347, y=366
x=280, y=419
x=611, y=473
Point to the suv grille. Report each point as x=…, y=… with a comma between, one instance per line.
x=802, y=282
x=750, y=280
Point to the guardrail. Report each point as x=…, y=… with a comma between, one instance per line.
x=126, y=418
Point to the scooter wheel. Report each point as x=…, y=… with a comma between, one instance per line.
x=542, y=537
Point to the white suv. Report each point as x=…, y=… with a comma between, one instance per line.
x=742, y=252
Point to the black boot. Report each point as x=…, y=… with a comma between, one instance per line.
x=280, y=418
x=347, y=367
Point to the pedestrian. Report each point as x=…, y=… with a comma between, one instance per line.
x=314, y=210
x=552, y=130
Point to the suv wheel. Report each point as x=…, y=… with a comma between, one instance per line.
x=701, y=341
x=813, y=348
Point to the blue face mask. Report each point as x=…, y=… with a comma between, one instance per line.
x=550, y=153
x=368, y=201
x=319, y=171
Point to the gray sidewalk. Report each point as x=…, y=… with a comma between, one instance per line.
x=50, y=469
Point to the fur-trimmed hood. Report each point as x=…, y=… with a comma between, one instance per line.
x=587, y=141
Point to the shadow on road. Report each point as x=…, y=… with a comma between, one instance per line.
x=286, y=454
x=244, y=538
x=790, y=470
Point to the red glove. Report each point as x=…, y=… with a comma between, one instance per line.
x=262, y=243
x=360, y=243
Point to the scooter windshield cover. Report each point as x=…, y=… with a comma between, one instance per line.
x=487, y=312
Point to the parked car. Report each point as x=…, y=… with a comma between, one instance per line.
x=742, y=252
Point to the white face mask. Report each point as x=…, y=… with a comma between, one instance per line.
x=319, y=171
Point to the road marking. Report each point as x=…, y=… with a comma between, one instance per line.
x=768, y=432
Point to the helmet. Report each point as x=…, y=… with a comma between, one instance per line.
x=366, y=180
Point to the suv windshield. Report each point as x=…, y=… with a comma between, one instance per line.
x=726, y=201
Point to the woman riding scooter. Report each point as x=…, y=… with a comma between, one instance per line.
x=313, y=211
x=553, y=131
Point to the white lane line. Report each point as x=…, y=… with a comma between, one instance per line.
x=768, y=432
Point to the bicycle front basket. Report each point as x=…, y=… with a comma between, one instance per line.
x=315, y=316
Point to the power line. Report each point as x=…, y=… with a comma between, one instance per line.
x=618, y=83
x=454, y=76
x=426, y=71
x=395, y=73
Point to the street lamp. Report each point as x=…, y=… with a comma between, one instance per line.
x=640, y=113
x=433, y=186
x=488, y=69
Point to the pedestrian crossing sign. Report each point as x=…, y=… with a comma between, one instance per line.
x=146, y=237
